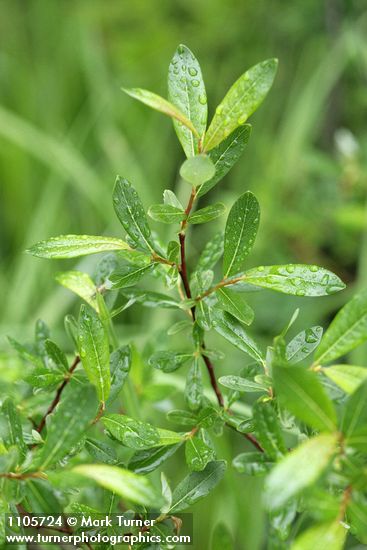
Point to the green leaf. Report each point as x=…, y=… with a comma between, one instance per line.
x=148, y=460
x=299, y=469
x=56, y=356
x=12, y=433
x=300, y=391
x=72, y=246
x=124, y=483
x=357, y=516
x=225, y=155
x=130, y=211
x=295, y=279
x=242, y=99
x=152, y=299
x=326, y=535
x=303, y=344
x=237, y=383
x=197, y=485
x=267, y=430
x=94, y=351
x=129, y=276
x=355, y=411
x=25, y=354
x=222, y=538
x=42, y=498
x=235, y=304
x=43, y=378
x=120, y=363
x=347, y=377
x=194, y=386
x=252, y=464
x=171, y=199
x=211, y=253
x=160, y=104
x=207, y=214
x=186, y=90
x=169, y=361
x=347, y=330
x=166, y=213
x=197, y=170
x=233, y=331
x=198, y=453
x=100, y=452
x=240, y=233
x=182, y=417
x=67, y=424
x=79, y=283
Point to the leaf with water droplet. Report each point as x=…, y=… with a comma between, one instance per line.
x=207, y=214
x=197, y=170
x=225, y=155
x=166, y=213
x=233, y=331
x=211, y=253
x=194, y=386
x=160, y=104
x=240, y=384
x=235, y=304
x=94, y=351
x=169, y=361
x=242, y=99
x=72, y=246
x=186, y=90
x=252, y=464
x=241, y=228
x=303, y=344
x=347, y=377
x=296, y=279
x=79, y=283
x=347, y=330
x=11, y=430
x=198, y=452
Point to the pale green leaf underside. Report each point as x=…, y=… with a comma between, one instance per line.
x=299, y=469
x=72, y=246
x=186, y=90
x=347, y=377
x=296, y=279
x=81, y=284
x=233, y=331
x=347, y=330
x=242, y=99
x=160, y=104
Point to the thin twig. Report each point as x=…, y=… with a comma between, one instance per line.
x=59, y=391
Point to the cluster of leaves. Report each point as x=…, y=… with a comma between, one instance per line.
x=81, y=424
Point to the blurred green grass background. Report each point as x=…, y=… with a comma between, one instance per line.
x=66, y=130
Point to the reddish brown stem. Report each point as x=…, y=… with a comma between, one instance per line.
x=57, y=398
x=213, y=380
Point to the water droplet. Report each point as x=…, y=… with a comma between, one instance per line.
x=310, y=336
x=332, y=289
x=193, y=71
x=202, y=99
x=183, y=68
x=181, y=49
x=219, y=110
x=325, y=279
x=296, y=281
x=195, y=83
x=261, y=268
x=83, y=353
x=242, y=119
x=116, y=200
x=313, y=268
x=290, y=268
x=300, y=292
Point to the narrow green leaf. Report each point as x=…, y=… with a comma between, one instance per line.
x=225, y=155
x=326, y=535
x=237, y=383
x=169, y=361
x=42, y=498
x=79, y=283
x=11, y=431
x=240, y=233
x=72, y=246
x=151, y=299
x=148, y=460
x=267, y=430
x=235, y=304
x=207, y=214
x=198, y=453
x=25, y=354
x=242, y=99
x=194, y=386
x=129, y=276
x=130, y=211
x=296, y=279
x=94, y=351
x=166, y=213
x=160, y=104
x=300, y=391
x=299, y=469
x=120, y=363
x=182, y=417
x=197, y=170
x=222, y=538
x=124, y=483
x=67, y=424
x=56, y=356
x=186, y=90
x=233, y=331
x=303, y=344
x=347, y=330
x=252, y=464
x=347, y=377
x=197, y=485
x=355, y=411
x=100, y=452
x=211, y=253
x=43, y=378
x=357, y=516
